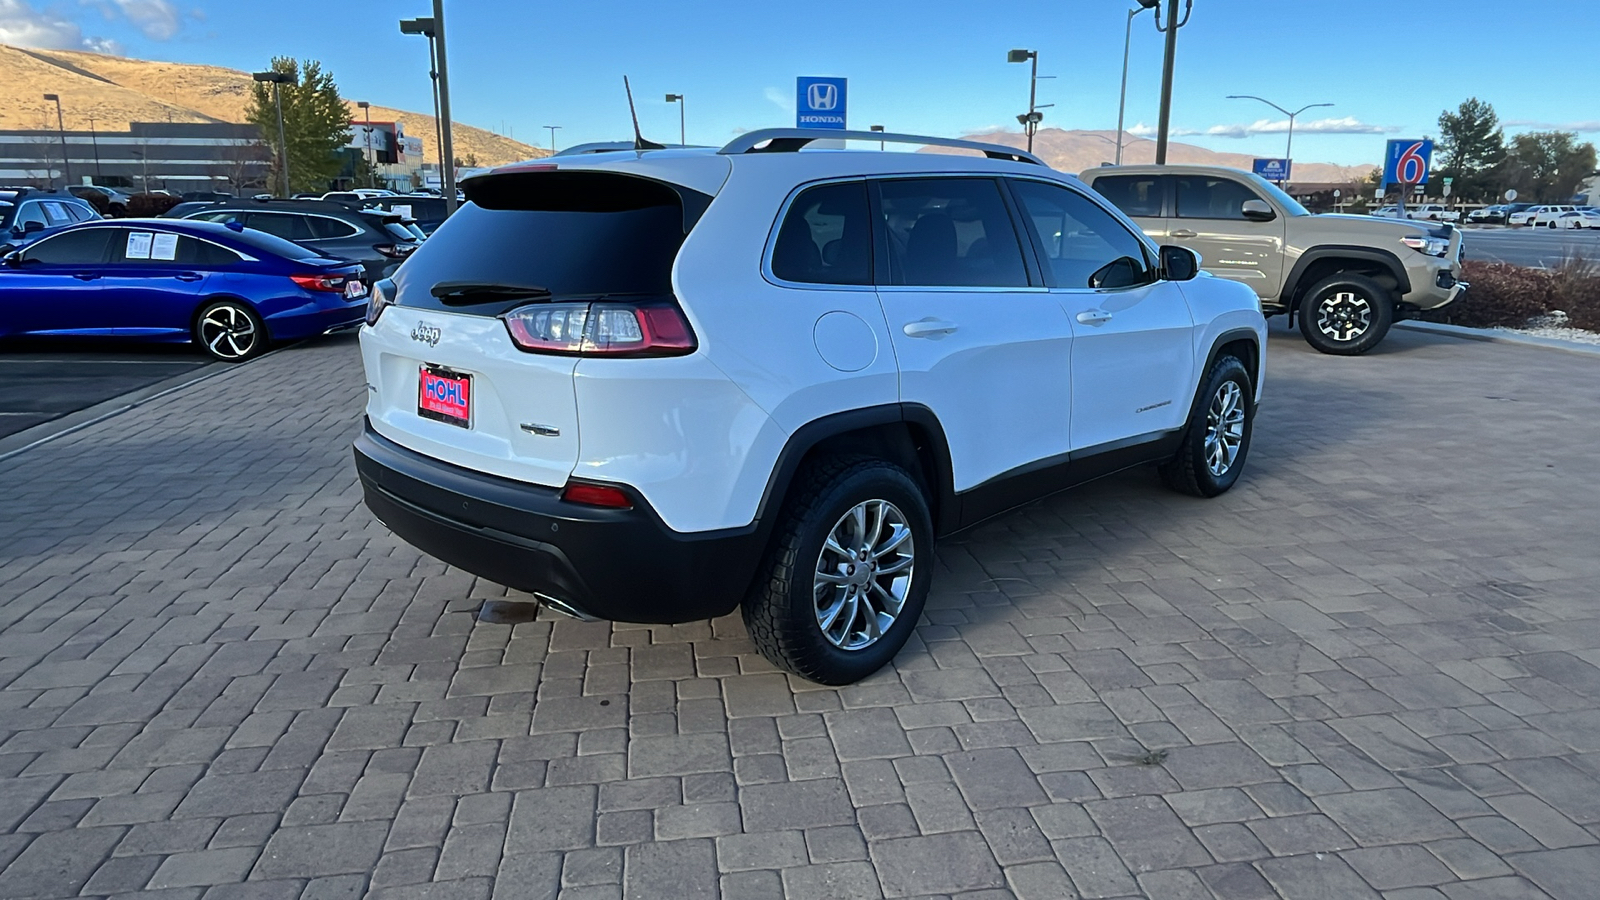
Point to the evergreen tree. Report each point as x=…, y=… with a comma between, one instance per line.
x=316, y=123
x=1547, y=166
x=1472, y=145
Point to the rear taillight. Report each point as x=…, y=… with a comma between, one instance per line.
x=601, y=329
x=333, y=284
x=381, y=299
x=395, y=251
x=596, y=495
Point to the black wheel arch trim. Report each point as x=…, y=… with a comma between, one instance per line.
x=1391, y=262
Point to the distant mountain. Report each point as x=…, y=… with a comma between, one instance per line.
x=116, y=91
x=1075, y=151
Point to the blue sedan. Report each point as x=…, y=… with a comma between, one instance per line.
x=230, y=290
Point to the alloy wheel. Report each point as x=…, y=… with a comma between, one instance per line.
x=863, y=574
x=1224, y=428
x=228, y=332
x=1344, y=315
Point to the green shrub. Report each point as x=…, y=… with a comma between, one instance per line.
x=1577, y=289
x=1501, y=295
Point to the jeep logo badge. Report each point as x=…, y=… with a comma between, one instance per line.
x=426, y=334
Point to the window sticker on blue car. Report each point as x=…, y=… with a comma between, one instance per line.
x=165, y=246
x=138, y=245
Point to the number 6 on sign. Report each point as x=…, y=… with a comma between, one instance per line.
x=1408, y=162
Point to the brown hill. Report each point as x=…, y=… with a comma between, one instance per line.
x=1075, y=151
x=116, y=91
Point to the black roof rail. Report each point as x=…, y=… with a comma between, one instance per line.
x=791, y=140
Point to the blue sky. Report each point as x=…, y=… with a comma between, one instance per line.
x=934, y=66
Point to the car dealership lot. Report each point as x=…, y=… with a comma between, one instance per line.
x=1369, y=670
x=1540, y=248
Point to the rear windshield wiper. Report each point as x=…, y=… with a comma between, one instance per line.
x=464, y=291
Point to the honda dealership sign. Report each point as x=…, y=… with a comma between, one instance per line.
x=819, y=102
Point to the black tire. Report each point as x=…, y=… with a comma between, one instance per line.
x=1346, y=314
x=782, y=612
x=230, y=331
x=1190, y=471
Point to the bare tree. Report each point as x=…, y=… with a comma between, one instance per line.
x=249, y=163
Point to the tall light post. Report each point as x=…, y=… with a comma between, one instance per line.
x=1288, y=152
x=1127, y=42
x=424, y=26
x=277, y=80
x=678, y=99
x=94, y=139
x=1169, y=61
x=367, y=155
x=552, y=138
x=449, y=151
x=1030, y=122
x=878, y=129
x=61, y=129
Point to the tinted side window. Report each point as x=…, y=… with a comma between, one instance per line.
x=1083, y=245
x=826, y=237
x=288, y=227
x=950, y=232
x=222, y=216
x=1206, y=197
x=324, y=228
x=86, y=247
x=31, y=212
x=1135, y=195
x=192, y=252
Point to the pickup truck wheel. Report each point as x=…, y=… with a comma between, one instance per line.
x=1346, y=314
x=845, y=581
x=1217, y=437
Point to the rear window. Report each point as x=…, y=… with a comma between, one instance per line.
x=576, y=234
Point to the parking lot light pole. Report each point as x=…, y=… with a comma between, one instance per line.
x=61, y=129
x=424, y=27
x=1127, y=42
x=678, y=99
x=879, y=129
x=1169, y=61
x=1288, y=152
x=1031, y=122
x=552, y=138
x=367, y=107
x=448, y=151
x=278, y=79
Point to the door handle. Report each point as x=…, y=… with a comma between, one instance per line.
x=1184, y=233
x=928, y=328
x=86, y=276
x=1094, y=317
x=188, y=276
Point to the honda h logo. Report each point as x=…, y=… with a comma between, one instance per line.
x=822, y=96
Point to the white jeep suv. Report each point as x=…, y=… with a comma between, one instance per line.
x=655, y=385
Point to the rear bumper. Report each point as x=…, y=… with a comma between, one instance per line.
x=623, y=565
x=297, y=325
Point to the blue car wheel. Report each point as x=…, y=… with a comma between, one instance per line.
x=230, y=331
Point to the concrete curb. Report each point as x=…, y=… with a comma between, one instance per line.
x=1499, y=337
x=45, y=432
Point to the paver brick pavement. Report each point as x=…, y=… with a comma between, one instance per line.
x=1372, y=669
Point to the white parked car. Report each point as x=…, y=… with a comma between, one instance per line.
x=1578, y=218
x=1537, y=215
x=1432, y=212
x=655, y=385
x=1387, y=212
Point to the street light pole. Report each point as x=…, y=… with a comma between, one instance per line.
x=448, y=152
x=94, y=138
x=1127, y=43
x=1288, y=152
x=879, y=129
x=367, y=107
x=552, y=138
x=1030, y=122
x=61, y=129
x=277, y=80
x=678, y=99
x=424, y=26
x=1169, y=60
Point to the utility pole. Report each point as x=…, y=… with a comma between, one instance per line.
x=552, y=138
x=1169, y=60
x=447, y=151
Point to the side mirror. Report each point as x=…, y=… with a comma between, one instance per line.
x=11, y=259
x=1257, y=211
x=33, y=227
x=1179, y=263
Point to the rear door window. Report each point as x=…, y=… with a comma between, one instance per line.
x=195, y=252
x=1138, y=196
x=289, y=227
x=826, y=237
x=575, y=234
x=950, y=232
x=327, y=228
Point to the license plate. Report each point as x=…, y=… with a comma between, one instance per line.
x=354, y=288
x=445, y=396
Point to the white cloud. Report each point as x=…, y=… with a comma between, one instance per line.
x=781, y=98
x=1345, y=125
x=23, y=26
x=158, y=20
x=1587, y=127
